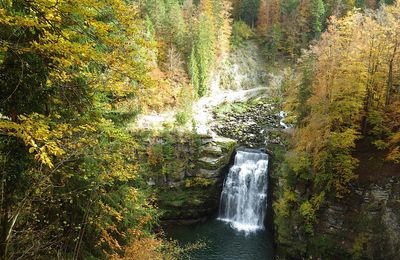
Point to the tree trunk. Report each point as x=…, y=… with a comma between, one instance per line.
x=389, y=84
x=4, y=235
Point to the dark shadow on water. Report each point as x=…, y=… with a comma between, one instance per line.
x=224, y=242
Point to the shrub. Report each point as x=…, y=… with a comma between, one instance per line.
x=240, y=32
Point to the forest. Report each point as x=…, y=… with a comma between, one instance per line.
x=81, y=178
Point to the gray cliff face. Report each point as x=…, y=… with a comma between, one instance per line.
x=367, y=222
x=193, y=194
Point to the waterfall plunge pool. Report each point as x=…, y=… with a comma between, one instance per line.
x=239, y=231
x=223, y=242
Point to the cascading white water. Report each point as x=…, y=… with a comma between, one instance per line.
x=244, y=196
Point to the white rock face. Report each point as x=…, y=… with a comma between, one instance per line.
x=240, y=76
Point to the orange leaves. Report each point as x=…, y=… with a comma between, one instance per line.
x=262, y=21
x=143, y=248
x=394, y=154
x=108, y=237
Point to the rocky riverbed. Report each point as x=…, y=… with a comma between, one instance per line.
x=255, y=123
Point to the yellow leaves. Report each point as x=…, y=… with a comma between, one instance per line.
x=17, y=21
x=309, y=208
x=117, y=169
x=289, y=196
x=348, y=82
x=282, y=206
x=45, y=138
x=308, y=212
x=79, y=43
x=35, y=132
x=299, y=162
x=344, y=140
x=111, y=211
x=394, y=154
x=78, y=56
x=86, y=127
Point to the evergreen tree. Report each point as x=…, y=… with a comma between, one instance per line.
x=204, y=53
x=174, y=24
x=194, y=71
x=317, y=17
x=157, y=11
x=249, y=12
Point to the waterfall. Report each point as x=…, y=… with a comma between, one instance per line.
x=244, y=196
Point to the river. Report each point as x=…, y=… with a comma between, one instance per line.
x=224, y=242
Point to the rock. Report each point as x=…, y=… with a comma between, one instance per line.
x=247, y=122
x=227, y=144
x=206, y=141
x=380, y=194
x=210, y=163
x=212, y=150
x=151, y=182
x=392, y=223
x=371, y=211
x=208, y=173
x=172, y=184
x=193, y=190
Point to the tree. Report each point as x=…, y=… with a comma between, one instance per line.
x=347, y=97
x=194, y=70
x=268, y=16
x=156, y=10
x=210, y=42
x=262, y=19
x=70, y=72
x=332, y=122
x=249, y=12
x=223, y=23
x=317, y=17
x=204, y=53
x=174, y=24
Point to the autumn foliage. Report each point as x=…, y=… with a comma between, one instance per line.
x=346, y=91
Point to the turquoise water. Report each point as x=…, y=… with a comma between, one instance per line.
x=224, y=242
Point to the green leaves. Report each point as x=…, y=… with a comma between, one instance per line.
x=66, y=66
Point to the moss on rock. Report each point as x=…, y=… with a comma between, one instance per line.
x=189, y=202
